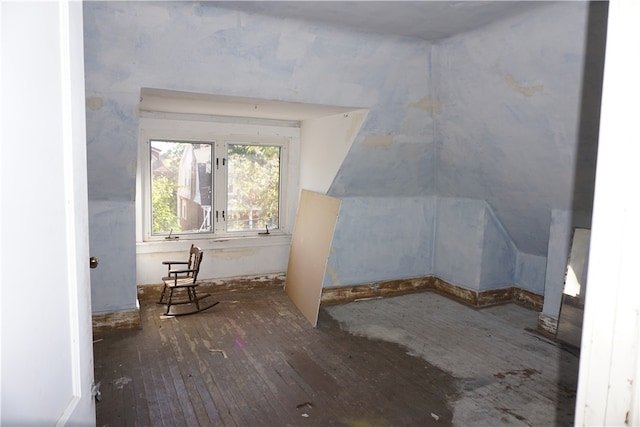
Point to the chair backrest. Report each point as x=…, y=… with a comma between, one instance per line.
x=195, y=259
x=192, y=253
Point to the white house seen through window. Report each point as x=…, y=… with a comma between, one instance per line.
x=214, y=187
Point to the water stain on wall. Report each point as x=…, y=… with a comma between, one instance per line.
x=522, y=89
x=426, y=104
x=378, y=141
x=94, y=103
x=333, y=274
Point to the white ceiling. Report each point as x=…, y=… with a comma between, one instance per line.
x=427, y=20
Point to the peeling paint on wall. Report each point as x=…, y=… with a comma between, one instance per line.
x=378, y=141
x=522, y=89
x=426, y=104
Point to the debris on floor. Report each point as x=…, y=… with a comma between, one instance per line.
x=215, y=350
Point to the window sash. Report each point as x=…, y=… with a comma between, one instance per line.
x=253, y=188
x=210, y=158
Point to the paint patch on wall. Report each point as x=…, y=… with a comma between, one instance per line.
x=378, y=141
x=94, y=103
x=356, y=117
x=333, y=274
x=426, y=104
x=522, y=89
x=231, y=254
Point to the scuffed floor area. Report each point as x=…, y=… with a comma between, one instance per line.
x=414, y=360
x=506, y=373
x=254, y=360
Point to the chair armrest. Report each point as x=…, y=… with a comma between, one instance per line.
x=175, y=262
x=176, y=272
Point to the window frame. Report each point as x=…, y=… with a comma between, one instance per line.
x=283, y=145
x=218, y=131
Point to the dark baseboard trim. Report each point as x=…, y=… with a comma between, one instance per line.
x=130, y=319
x=344, y=294
x=472, y=298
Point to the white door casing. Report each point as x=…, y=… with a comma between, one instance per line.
x=46, y=342
x=609, y=379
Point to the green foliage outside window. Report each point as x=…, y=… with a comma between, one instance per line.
x=163, y=195
x=254, y=187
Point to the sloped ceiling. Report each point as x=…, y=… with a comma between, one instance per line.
x=426, y=20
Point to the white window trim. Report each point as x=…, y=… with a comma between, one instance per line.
x=165, y=126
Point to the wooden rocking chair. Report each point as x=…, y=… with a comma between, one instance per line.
x=184, y=279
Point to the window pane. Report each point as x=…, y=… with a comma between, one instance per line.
x=180, y=187
x=253, y=192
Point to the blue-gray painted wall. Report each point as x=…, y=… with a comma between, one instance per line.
x=499, y=255
x=459, y=241
x=381, y=238
x=483, y=132
x=530, y=273
x=201, y=48
x=113, y=222
x=519, y=116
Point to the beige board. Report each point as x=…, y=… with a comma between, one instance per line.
x=310, y=245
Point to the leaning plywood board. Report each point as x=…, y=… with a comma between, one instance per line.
x=312, y=237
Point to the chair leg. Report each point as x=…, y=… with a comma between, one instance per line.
x=195, y=299
x=169, y=302
x=192, y=301
x=164, y=290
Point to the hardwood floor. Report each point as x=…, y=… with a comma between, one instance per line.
x=254, y=360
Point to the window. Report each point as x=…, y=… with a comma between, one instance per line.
x=206, y=183
x=253, y=186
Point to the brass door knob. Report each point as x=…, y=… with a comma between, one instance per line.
x=93, y=262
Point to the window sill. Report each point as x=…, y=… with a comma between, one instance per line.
x=183, y=244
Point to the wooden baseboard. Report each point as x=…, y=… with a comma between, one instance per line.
x=457, y=293
x=126, y=319
x=528, y=299
x=402, y=286
x=373, y=290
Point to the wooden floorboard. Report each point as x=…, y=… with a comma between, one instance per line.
x=254, y=360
